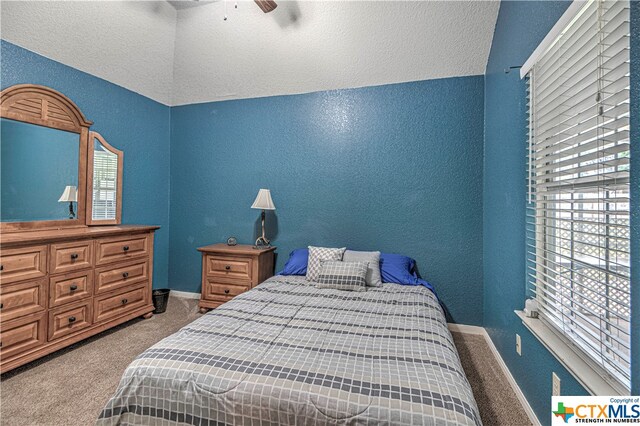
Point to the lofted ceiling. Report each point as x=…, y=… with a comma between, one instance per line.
x=185, y=52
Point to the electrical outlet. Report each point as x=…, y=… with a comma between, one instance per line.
x=555, y=385
x=518, y=345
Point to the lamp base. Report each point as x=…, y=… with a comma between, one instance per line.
x=262, y=243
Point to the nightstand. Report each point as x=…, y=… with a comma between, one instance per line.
x=228, y=271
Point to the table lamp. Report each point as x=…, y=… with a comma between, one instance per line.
x=70, y=195
x=264, y=202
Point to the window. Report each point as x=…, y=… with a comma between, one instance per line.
x=578, y=222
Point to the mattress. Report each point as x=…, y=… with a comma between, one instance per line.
x=287, y=352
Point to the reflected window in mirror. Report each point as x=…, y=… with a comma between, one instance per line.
x=36, y=165
x=105, y=183
x=105, y=171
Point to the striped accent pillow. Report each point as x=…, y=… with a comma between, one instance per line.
x=343, y=275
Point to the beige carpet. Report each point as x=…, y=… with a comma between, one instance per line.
x=71, y=386
x=496, y=400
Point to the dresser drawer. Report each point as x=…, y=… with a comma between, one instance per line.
x=18, y=300
x=68, y=319
x=118, y=249
x=121, y=276
x=220, y=291
x=229, y=268
x=24, y=263
x=23, y=334
x=113, y=305
x=67, y=257
x=70, y=288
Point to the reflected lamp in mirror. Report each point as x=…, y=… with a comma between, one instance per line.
x=69, y=195
x=263, y=202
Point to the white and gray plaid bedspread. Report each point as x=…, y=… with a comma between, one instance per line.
x=287, y=352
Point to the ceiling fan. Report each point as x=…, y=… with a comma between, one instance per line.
x=266, y=5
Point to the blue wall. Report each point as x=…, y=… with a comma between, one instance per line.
x=130, y=122
x=520, y=27
x=37, y=164
x=396, y=168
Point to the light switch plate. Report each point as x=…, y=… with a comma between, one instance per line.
x=518, y=345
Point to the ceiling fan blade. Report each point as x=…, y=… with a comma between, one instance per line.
x=266, y=5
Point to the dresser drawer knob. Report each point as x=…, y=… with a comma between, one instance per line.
x=125, y=275
x=72, y=319
x=1, y=305
x=1, y=267
x=124, y=301
x=227, y=267
x=73, y=287
x=74, y=256
x=125, y=248
x=226, y=291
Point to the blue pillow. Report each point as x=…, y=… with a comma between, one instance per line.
x=297, y=263
x=399, y=269
x=396, y=268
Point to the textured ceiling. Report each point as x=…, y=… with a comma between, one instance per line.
x=128, y=43
x=188, y=54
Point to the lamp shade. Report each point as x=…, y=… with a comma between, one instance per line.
x=70, y=194
x=263, y=201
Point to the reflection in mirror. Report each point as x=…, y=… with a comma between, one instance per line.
x=36, y=165
x=105, y=183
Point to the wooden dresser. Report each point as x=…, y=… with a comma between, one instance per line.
x=60, y=286
x=228, y=271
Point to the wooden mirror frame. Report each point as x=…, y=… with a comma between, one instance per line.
x=120, y=155
x=43, y=106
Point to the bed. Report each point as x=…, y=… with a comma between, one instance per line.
x=287, y=352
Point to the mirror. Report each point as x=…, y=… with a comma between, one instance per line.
x=105, y=184
x=37, y=163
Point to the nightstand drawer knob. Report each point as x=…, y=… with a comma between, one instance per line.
x=125, y=248
x=74, y=256
x=227, y=267
x=226, y=291
x=125, y=275
x=73, y=287
x=72, y=319
x=124, y=301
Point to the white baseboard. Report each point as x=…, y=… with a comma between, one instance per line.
x=185, y=294
x=469, y=329
x=472, y=329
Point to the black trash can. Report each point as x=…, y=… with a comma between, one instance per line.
x=160, y=299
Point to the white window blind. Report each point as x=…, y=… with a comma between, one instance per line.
x=105, y=175
x=578, y=221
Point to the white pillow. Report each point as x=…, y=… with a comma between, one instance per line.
x=317, y=255
x=373, y=257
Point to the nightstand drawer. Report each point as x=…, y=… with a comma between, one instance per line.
x=67, y=257
x=70, y=288
x=69, y=319
x=17, y=300
x=236, y=268
x=23, y=264
x=222, y=291
x=118, y=249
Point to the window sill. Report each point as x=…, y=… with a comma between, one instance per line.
x=593, y=379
